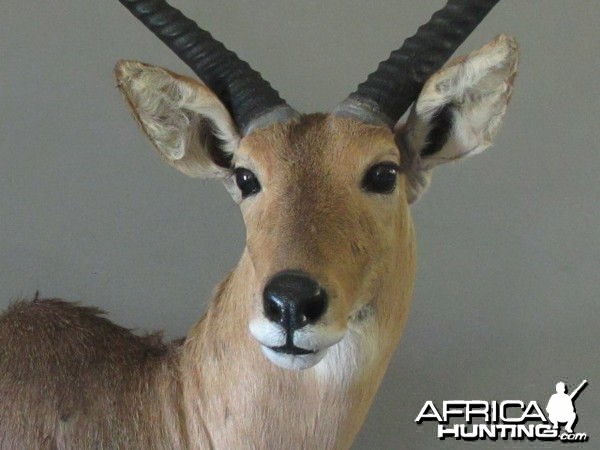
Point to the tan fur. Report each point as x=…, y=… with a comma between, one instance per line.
x=70, y=379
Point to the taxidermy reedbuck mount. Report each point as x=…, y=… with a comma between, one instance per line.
x=299, y=335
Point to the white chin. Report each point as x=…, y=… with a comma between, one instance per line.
x=293, y=362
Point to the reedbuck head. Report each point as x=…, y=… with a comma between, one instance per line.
x=325, y=197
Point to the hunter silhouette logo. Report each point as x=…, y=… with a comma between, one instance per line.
x=560, y=406
x=508, y=419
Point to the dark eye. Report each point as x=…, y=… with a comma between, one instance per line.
x=247, y=182
x=381, y=178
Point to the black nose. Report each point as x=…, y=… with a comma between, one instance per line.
x=293, y=300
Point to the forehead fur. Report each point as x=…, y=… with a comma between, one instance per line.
x=315, y=138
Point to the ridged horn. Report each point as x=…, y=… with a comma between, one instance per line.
x=249, y=98
x=389, y=91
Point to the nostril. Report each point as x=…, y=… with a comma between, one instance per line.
x=314, y=308
x=293, y=299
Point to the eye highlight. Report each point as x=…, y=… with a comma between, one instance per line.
x=246, y=182
x=381, y=178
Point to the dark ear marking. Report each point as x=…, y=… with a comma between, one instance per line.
x=207, y=136
x=441, y=126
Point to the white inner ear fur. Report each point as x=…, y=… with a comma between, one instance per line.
x=477, y=89
x=178, y=114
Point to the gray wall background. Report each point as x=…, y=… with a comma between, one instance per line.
x=507, y=296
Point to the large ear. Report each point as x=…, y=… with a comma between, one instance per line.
x=189, y=126
x=459, y=111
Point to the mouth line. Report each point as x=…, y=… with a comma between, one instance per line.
x=292, y=350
